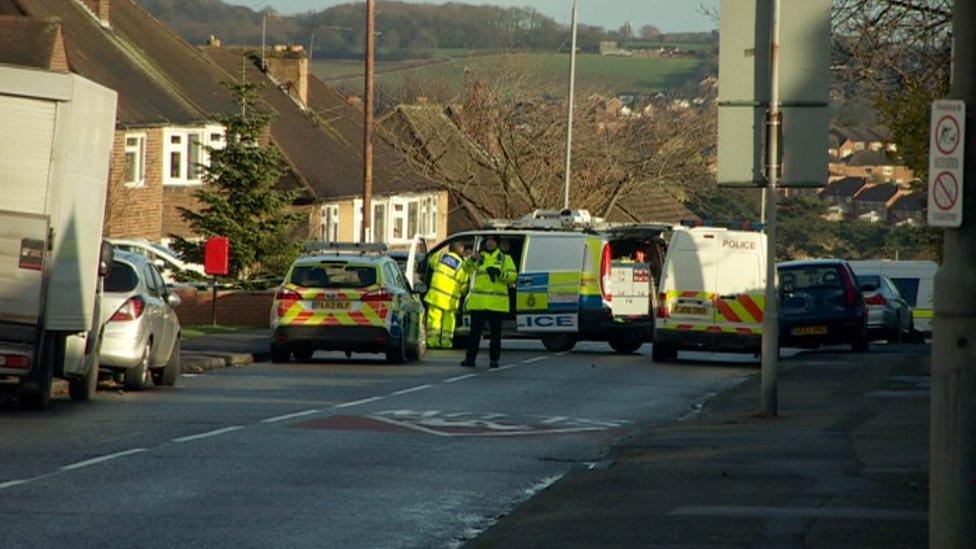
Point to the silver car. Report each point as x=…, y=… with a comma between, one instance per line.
x=141, y=335
x=889, y=315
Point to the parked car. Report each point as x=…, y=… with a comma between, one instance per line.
x=141, y=334
x=889, y=315
x=347, y=297
x=914, y=280
x=173, y=269
x=821, y=304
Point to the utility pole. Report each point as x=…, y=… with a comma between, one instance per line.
x=770, y=330
x=569, y=110
x=368, y=122
x=264, y=36
x=952, y=443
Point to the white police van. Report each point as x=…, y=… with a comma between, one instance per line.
x=580, y=278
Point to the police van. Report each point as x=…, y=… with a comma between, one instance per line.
x=712, y=291
x=579, y=278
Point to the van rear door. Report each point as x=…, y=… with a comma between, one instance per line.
x=548, y=288
x=740, y=287
x=690, y=277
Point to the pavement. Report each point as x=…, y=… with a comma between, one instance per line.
x=215, y=351
x=844, y=464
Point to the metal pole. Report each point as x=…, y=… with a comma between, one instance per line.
x=569, y=109
x=213, y=302
x=770, y=335
x=762, y=206
x=368, y=123
x=952, y=442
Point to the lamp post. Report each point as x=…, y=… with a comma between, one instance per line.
x=569, y=109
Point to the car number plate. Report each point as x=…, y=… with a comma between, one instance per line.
x=330, y=305
x=809, y=330
x=689, y=310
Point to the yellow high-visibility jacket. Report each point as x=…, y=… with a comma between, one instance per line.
x=488, y=295
x=449, y=280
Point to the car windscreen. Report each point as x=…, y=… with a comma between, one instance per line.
x=333, y=275
x=122, y=278
x=807, y=278
x=869, y=280
x=908, y=289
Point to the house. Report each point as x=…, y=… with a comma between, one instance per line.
x=872, y=202
x=32, y=42
x=908, y=209
x=845, y=141
x=874, y=165
x=839, y=197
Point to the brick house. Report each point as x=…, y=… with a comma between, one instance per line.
x=845, y=141
x=874, y=166
x=872, y=202
x=908, y=209
x=839, y=197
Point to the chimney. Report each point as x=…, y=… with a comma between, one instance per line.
x=289, y=66
x=100, y=9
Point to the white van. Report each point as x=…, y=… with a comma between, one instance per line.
x=914, y=280
x=712, y=292
x=579, y=278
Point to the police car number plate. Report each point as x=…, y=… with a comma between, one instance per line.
x=809, y=330
x=331, y=305
x=689, y=310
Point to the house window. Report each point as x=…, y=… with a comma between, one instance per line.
x=135, y=160
x=185, y=156
x=176, y=169
x=432, y=216
x=330, y=223
x=379, y=222
x=194, y=155
x=399, y=219
x=888, y=171
x=413, y=218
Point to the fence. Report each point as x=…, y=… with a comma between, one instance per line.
x=234, y=308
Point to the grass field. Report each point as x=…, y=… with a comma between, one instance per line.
x=548, y=70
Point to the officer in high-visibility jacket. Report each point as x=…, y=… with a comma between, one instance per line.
x=494, y=273
x=447, y=284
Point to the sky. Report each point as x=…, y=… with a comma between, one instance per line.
x=667, y=15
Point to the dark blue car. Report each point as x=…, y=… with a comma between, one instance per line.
x=821, y=304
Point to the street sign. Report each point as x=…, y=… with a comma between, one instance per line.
x=946, y=146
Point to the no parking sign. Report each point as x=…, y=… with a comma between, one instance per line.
x=946, y=146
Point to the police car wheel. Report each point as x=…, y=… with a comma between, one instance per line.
x=303, y=355
x=626, y=344
x=559, y=343
x=398, y=354
x=419, y=349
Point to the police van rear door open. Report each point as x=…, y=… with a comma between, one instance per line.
x=548, y=288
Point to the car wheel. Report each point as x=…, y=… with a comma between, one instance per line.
x=398, y=354
x=83, y=388
x=559, y=343
x=137, y=377
x=895, y=336
x=417, y=351
x=280, y=355
x=862, y=344
x=167, y=375
x=626, y=344
x=303, y=355
x=662, y=352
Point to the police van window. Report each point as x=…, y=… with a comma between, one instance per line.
x=511, y=246
x=554, y=253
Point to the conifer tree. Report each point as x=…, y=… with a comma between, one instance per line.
x=240, y=199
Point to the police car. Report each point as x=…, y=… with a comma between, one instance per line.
x=347, y=297
x=580, y=278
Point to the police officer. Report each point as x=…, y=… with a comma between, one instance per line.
x=448, y=282
x=494, y=273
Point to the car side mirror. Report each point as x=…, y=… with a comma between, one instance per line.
x=173, y=300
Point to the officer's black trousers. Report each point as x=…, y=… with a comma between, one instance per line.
x=478, y=320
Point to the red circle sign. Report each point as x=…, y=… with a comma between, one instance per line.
x=945, y=191
x=947, y=134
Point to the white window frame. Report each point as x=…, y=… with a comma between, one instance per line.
x=203, y=137
x=330, y=222
x=140, y=155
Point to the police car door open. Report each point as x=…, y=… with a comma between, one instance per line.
x=548, y=288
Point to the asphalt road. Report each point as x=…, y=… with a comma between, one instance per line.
x=337, y=452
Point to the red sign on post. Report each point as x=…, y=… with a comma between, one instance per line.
x=216, y=256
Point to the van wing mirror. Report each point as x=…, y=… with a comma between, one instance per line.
x=105, y=257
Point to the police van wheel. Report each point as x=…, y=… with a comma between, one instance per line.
x=626, y=344
x=280, y=355
x=559, y=343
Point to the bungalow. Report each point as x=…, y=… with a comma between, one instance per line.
x=875, y=166
x=839, y=197
x=908, y=209
x=872, y=203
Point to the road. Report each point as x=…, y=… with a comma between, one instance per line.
x=337, y=452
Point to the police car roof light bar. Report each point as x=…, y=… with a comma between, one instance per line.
x=360, y=248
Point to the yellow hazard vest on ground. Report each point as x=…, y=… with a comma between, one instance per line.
x=447, y=282
x=488, y=295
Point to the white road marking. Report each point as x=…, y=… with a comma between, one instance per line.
x=799, y=512
x=358, y=402
x=101, y=459
x=411, y=390
x=290, y=416
x=536, y=359
x=208, y=434
x=505, y=367
x=459, y=378
x=563, y=353
x=556, y=419
x=12, y=483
